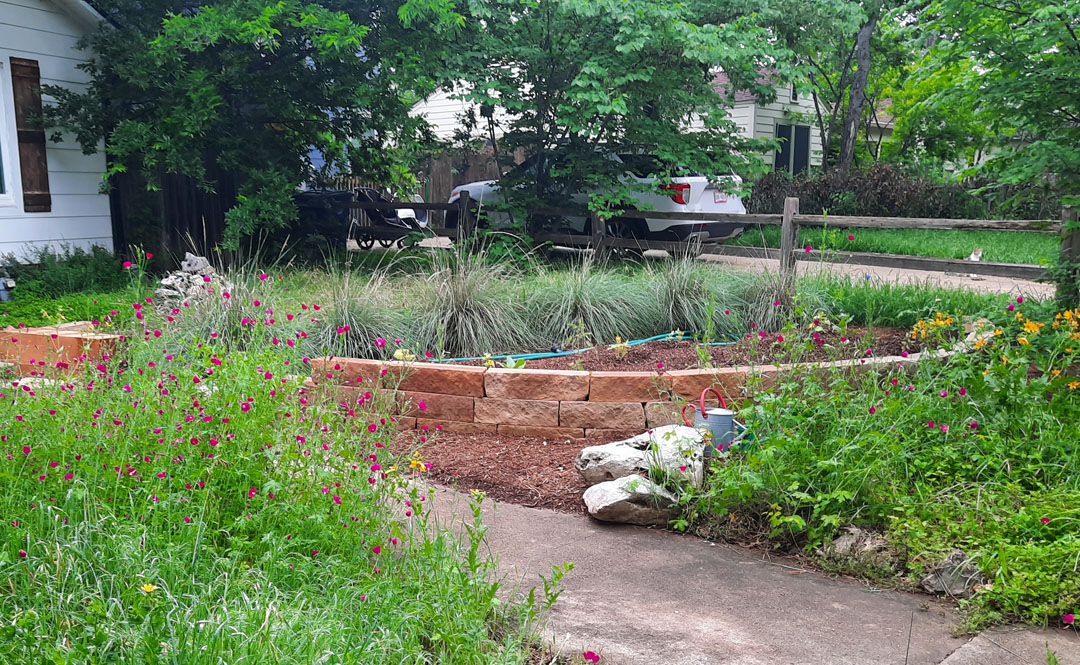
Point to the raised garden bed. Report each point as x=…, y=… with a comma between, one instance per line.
x=755, y=349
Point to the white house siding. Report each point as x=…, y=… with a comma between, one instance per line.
x=42, y=31
x=780, y=112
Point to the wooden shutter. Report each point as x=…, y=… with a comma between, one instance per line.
x=800, y=158
x=782, y=161
x=33, y=165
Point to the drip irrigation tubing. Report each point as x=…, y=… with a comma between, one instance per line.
x=558, y=354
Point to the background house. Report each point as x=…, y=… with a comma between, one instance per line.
x=790, y=118
x=49, y=192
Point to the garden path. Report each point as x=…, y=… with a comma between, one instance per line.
x=642, y=597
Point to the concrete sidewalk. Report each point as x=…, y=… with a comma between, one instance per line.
x=643, y=597
x=983, y=284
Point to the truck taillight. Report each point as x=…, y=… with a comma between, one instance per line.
x=678, y=190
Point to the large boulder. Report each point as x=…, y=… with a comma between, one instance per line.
x=672, y=451
x=631, y=500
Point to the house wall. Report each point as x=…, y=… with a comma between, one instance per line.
x=783, y=112
x=42, y=31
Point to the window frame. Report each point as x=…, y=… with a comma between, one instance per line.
x=794, y=93
x=10, y=197
x=789, y=148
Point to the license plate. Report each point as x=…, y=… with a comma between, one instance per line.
x=719, y=197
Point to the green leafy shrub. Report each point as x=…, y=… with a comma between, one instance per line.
x=50, y=274
x=978, y=452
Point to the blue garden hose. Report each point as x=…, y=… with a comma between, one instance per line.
x=559, y=354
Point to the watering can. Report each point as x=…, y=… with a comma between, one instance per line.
x=717, y=422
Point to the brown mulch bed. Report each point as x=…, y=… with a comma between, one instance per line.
x=529, y=471
x=756, y=349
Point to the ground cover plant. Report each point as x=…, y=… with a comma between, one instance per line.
x=976, y=452
x=187, y=500
x=998, y=246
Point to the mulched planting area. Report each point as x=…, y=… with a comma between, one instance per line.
x=755, y=349
x=528, y=471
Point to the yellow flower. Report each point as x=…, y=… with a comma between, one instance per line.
x=1033, y=326
x=1019, y=316
x=148, y=588
x=980, y=343
x=997, y=333
x=1073, y=385
x=1055, y=372
x=1023, y=341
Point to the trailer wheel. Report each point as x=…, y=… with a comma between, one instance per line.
x=386, y=242
x=365, y=241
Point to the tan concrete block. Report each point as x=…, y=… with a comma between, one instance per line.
x=544, y=413
x=541, y=384
x=688, y=383
x=455, y=426
x=433, y=406
x=405, y=423
x=607, y=435
x=658, y=414
x=602, y=415
x=63, y=347
x=346, y=371
x=545, y=432
x=628, y=386
x=437, y=378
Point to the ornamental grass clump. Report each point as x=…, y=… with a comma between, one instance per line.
x=190, y=499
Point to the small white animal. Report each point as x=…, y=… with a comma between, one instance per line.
x=976, y=255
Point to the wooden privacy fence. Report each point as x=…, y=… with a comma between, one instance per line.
x=789, y=222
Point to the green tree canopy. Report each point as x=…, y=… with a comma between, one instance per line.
x=578, y=78
x=1014, y=69
x=251, y=86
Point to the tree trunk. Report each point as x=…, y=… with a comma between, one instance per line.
x=857, y=95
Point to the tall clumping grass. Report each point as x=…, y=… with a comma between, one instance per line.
x=468, y=305
x=359, y=310
x=588, y=303
x=189, y=500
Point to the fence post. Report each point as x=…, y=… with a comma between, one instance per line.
x=465, y=217
x=1068, y=287
x=789, y=235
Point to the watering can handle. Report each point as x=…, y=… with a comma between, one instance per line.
x=714, y=391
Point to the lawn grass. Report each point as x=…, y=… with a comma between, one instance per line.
x=998, y=246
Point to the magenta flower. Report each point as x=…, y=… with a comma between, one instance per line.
x=252, y=492
x=945, y=429
x=126, y=264
x=421, y=405
x=22, y=554
x=591, y=656
x=337, y=499
x=962, y=391
x=376, y=549
x=944, y=393
x=808, y=249
x=1044, y=520
x=380, y=342
x=263, y=276
x=1068, y=618
x=1020, y=299
x=1011, y=307
x=850, y=237
x=873, y=410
